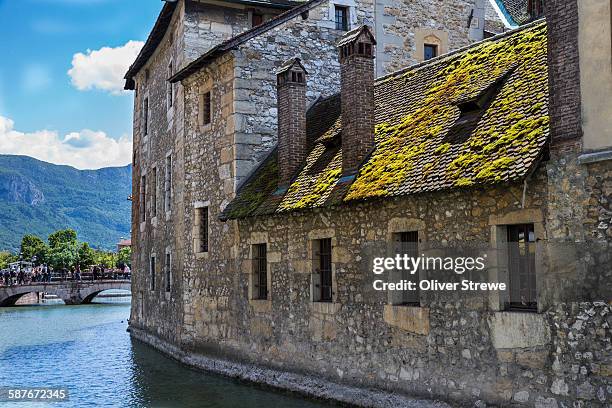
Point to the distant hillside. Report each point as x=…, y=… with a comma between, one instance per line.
x=38, y=198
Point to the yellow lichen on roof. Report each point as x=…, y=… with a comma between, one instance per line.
x=515, y=122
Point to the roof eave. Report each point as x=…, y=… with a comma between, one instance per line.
x=153, y=40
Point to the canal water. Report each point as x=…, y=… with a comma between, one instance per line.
x=87, y=350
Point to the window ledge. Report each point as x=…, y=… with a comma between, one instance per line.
x=413, y=319
x=201, y=255
x=329, y=308
x=515, y=329
x=261, y=305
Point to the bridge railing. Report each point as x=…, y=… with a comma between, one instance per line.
x=9, y=280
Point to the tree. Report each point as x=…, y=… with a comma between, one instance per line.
x=33, y=246
x=62, y=237
x=106, y=259
x=124, y=257
x=6, y=258
x=86, y=256
x=64, y=251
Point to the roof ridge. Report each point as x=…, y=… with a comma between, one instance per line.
x=458, y=51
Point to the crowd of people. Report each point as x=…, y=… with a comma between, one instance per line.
x=45, y=273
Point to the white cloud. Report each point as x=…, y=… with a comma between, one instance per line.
x=86, y=149
x=104, y=68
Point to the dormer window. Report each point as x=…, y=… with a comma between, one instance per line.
x=342, y=17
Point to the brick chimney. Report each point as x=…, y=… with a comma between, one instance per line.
x=356, y=51
x=291, y=94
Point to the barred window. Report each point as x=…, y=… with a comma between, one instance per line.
x=145, y=116
x=168, y=184
x=143, y=199
x=206, y=110
x=407, y=243
x=203, y=228
x=341, y=18
x=324, y=273
x=154, y=193
x=152, y=273
x=167, y=270
x=521, y=267
x=260, y=271
x=170, y=87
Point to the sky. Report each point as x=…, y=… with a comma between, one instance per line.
x=61, y=69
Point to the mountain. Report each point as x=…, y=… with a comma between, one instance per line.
x=38, y=198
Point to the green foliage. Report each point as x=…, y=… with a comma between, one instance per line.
x=38, y=198
x=86, y=256
x=61, y=237
x=106, y=259
x=124, y=257
x=6, y=258
x=33, y=246
x=64, y=255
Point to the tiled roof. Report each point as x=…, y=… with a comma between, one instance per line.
x=473, y=117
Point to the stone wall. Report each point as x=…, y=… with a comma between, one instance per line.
x=455, y=348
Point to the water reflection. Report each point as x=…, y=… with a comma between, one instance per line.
x=87, y=349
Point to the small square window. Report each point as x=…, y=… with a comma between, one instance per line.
x=342, y=18
x=430, y=51
x=256, y=19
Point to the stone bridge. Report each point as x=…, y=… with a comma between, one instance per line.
x=71, y=292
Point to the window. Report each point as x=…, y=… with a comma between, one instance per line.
x=167, y=270
x=152, y=272
x=206, y=110
x=154, y=193
x=535, y=8
x=407, y=243
x=256, y=19
x=168, y=185
x=521, y=267
x=342, y=18
x=323, y=270
x=170, y=87
x=145, y=116
x=202, y=220
x=260, y=271
x=143, y=198
x=430, y=51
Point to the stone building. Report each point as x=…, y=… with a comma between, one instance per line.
x=294, y=167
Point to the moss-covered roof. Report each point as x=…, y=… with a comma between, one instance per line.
x=476, y=116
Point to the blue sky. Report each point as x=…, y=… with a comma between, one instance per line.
x=38, y=40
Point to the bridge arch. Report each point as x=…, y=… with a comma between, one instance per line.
x=89, y=294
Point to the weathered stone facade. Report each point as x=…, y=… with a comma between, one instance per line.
x=463, y=349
